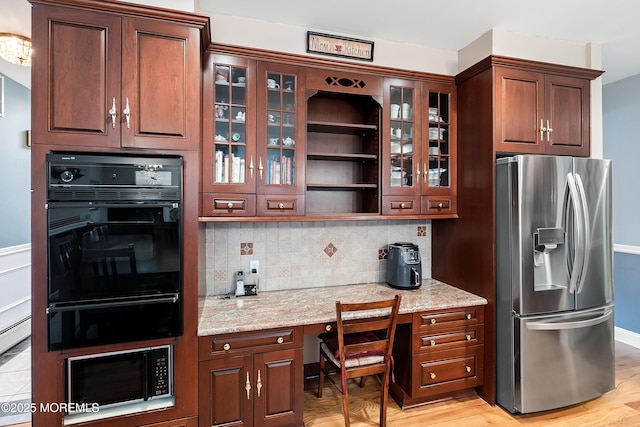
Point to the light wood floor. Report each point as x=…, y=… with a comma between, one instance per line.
x=619, y=407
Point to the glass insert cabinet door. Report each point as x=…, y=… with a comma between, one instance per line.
x=231, y=160
x=279, y=165
x=437, y=166
x=401, y=146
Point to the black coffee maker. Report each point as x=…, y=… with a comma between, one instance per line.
x=404, y=268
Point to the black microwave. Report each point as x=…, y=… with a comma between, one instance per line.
x=118, y=383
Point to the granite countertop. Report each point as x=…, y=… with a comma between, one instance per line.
x=309, y=306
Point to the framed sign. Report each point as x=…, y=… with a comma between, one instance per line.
x=344, y=47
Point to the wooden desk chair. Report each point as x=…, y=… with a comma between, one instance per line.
x=361, y=346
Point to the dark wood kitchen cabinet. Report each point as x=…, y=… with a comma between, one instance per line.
x=252, y=378
x=542, y=112
x=445, y=350
x=111, y=80
x=183, y=422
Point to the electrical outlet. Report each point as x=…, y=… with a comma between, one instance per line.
x=254, y=267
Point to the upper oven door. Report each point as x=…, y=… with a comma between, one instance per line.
x=101, y=250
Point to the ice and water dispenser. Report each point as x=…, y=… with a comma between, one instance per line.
x=549, y=259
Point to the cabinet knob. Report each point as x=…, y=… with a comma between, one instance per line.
x=440, y=205
x=467, y=368
x=280, y=340
x=433, y=321
x=432, y=342
x=328, y=327
x=281, y=205
x=468, y=337
x=432, y=375
x=226, y=347
x=468, y=316
x=402, y=205
x=230, y=205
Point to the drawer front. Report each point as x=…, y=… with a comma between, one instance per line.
x=448, y=339
x=250, y=342
x=400, y=205
x=439, y=205
x=448, y=371
x=228, y=204
x=455, y=317
x=280, y=205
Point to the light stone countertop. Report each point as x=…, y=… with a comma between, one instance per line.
x=275, y=309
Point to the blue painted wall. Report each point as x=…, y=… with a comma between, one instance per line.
x=15, y=165
x=621, y=127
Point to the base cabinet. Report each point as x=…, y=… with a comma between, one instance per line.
x=252, y=379
x=183, y=422
x=444, y=350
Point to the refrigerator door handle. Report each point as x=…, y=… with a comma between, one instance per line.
x=586, y=230
x=578, y=242
x=550, y=326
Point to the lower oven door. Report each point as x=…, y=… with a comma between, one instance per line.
x=109, y=321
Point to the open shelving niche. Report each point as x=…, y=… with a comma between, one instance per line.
x=343, y=154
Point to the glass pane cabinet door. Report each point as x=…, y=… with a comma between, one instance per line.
x=437, y=167
x=231, y=161
x=279, y=167
x=401, y=111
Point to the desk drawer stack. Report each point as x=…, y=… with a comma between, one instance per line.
x=439, y=355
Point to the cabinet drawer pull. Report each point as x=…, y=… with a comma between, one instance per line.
x=281, y=205
x=468, y=337
x=467, y=368
x=127, y=113
x=432, y=342
x=402, y=205
x=328, y=328
x=433, y=321
x=280, y=340
x=247, y=386
x=259, y=383
x=230, y=205
x=113, y=111
x=432, y=375
x=468, y=316
x=226, y=347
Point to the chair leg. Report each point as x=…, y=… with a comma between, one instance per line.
x=362, y=380
x=384, y=398
x=320, y=375
x=345, y=405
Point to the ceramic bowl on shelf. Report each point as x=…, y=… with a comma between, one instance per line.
x=273, y=141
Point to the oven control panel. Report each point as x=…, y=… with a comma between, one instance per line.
x=161, y=372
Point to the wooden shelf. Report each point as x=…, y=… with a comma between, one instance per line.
x=345, y=186
x=340, y=156
x=339, y=127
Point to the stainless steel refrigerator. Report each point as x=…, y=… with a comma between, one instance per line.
x=554, y=299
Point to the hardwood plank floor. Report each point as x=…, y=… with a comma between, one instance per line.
x=619, y=407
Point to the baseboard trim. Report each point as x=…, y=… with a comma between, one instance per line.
x=627, y=337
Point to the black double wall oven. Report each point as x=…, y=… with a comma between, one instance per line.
x=114, y=249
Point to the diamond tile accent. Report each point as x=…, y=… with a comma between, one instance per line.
x=246, y=248
x=422, y=231
x=383, y=254
x=330, y=250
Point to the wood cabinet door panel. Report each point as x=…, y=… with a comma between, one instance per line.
x=280, y=399
x=448, y=318
x=162, y=84
x=223, y=398
x=183, y=422
x=518, y=110
x=567, y=106
x=75, y=85
x=447, y=339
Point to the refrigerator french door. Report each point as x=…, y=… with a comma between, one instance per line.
x=554, y=246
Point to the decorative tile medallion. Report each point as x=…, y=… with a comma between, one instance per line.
x=383, y=253
x=422, y=230
x=246, y=248
x=330, y=250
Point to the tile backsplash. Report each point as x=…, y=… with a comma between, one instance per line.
x=295, y=255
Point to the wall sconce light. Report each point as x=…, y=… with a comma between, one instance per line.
x=15, y=49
